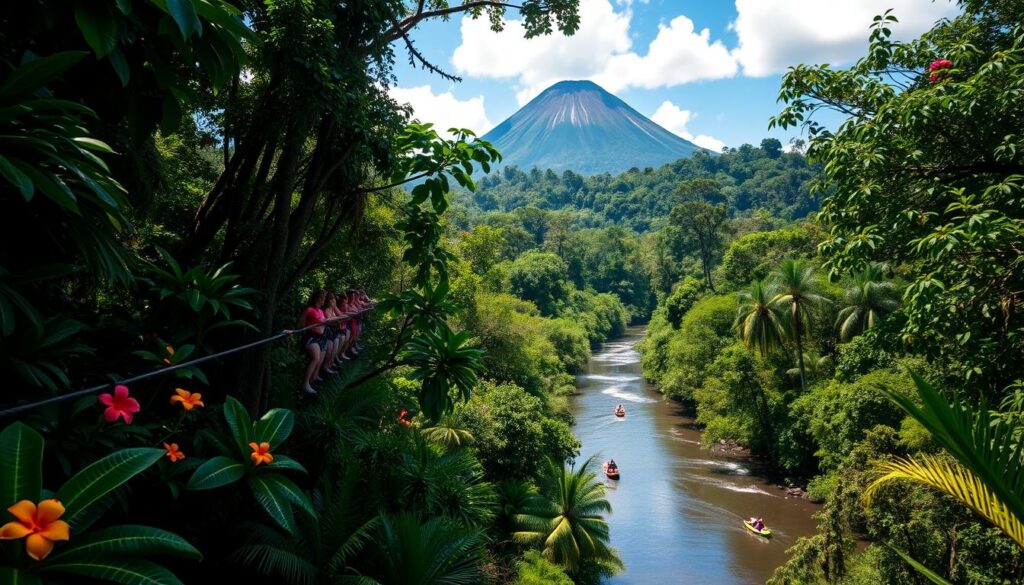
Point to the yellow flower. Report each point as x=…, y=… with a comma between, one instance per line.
x=188, y=400
x=40, y=524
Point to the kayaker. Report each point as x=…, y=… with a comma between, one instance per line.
x=758, y=523
x=612, y=466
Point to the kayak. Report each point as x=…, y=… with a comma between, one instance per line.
x=765, y=533
x=611, y=474
x=620, y=413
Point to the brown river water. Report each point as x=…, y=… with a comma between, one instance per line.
x=677, y=510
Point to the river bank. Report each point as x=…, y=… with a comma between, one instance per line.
x=677, y=510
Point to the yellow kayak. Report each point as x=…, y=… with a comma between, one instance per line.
x=765, y=533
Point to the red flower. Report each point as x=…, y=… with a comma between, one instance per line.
x=119, y=405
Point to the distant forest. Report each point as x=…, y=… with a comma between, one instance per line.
x=751, y=178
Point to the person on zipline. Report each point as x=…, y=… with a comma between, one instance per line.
x=313, y=340
x=335, y=330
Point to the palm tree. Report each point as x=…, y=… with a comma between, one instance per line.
x=447, y=435
x=446, y=483
x=816, y=364
x=797, y=290
x=868, y=299
x=988, y=475
x=566, y=519
x=327, y=542
x=438, y=551
x=759, y=322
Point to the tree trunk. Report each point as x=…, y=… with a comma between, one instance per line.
x=798, y=334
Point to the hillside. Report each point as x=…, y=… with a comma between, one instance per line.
x=578, y=126
x=641, y=197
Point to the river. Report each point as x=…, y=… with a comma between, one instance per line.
x=677, y=510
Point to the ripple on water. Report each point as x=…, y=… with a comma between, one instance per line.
x=606, y=378
x=727, y=467
x=746, y=489
x=627, y=396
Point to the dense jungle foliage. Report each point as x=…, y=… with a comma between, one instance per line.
x=191, y=171
x=904, y=289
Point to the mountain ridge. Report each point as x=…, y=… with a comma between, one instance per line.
x=576, y=125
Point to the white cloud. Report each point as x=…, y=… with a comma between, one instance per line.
x=775, y=34
x=444, y=110
x=674, y=119
x=679, y=54
x=600, y=51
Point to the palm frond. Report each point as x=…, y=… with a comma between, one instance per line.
x=982, y=444
x=957, y=481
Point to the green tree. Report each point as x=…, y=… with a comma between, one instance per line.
x=540, y=277
x=868, y=299
x=926, y=171
x=701, y=220
x=797, y=291
x=566, y=519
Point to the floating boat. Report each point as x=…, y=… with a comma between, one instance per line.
x=611, y=474
x=765, y=532
x=620, y=413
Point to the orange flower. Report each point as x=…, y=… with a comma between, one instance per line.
x=261, y=453
x=173, y=453
x=40, y=524
x=188, y=400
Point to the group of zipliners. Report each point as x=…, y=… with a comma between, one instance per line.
x=334, y=341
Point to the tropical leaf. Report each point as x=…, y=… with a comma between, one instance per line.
x=240, y=424
x=274, y=427
x=123, y=571
x=928, y=573
x=216, y=472
x=100, y=478
x=127, y=540
x=989, y=476
x=274, y=502
x=283, y=463
x=13, y=576
x=21, y=464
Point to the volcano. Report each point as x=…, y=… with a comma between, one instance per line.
x=578, y=126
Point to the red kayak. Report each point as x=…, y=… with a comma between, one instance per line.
x=620, y=413
x=613, y=474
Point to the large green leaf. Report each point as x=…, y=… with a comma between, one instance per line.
x=218, y=471
x=97, y=480
x=124, y=571
x=127, y=540
x=275, y=426
x=12, y=576
x=17, y=178
x=97, y=26
x=273, y=499
x=184, y=15
x=283, y=462
x=21, y=464
x=923, y=570
x=32, y=75
x=240, y=424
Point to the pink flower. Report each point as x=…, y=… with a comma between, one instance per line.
x=119, y=404
x=938, y=67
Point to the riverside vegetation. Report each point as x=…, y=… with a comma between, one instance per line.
x=193, y=169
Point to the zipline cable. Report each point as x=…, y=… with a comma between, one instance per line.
x=188, y=363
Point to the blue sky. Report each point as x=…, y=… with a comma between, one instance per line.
x=707, y=70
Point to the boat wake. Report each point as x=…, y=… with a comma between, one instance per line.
x=605, y=378
x=746, y=489
x=621, y=394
